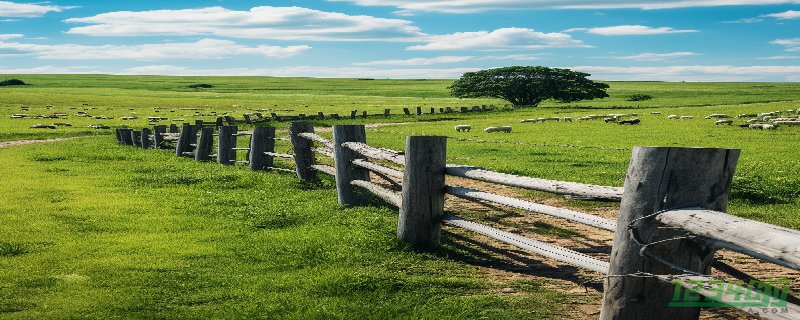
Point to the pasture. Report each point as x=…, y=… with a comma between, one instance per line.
x=135, y=233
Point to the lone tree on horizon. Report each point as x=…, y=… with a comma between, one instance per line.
x=528, y=86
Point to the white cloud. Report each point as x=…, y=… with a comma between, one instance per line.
x=471, y=6
x=308, y=71
x=51, y=70
x=627, y=30
x=27, y=10
x=516, y=57
x=649, y=56
x=200, y=50
x=500, y=39
x=779, y=57
x=277, y=23
x=791, y=14
x=692, y=73
x=790, y=44
x=417, y=61
x=10, y=36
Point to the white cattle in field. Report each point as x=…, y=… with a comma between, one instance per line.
x=506, y=129
x=721, y=122
x=673, y=116
x=463, y=127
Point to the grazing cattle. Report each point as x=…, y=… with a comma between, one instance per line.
x=506, y=129
x=673, y=116
x=721, y=122
x=717, y=115
x=630, y=121
x=747, y=115
x=43, y=126
x=686, y=117
x=655, y=112
x=463, y=127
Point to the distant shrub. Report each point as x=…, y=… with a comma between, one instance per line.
x=365, y=79
x=200, y=86
x=12, y=82
x=640, y=97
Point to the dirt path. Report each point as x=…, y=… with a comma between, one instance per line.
x=4, y=144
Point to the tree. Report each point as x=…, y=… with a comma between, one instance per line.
x=12, y=82
x=529, y=86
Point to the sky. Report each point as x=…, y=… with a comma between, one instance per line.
x=665, y=40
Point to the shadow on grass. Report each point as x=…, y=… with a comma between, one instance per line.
x=463, y=249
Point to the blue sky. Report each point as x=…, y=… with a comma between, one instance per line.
x=668, y=40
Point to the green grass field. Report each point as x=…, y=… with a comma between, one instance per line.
x=92, y=229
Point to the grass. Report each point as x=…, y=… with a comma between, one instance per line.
x=92, y=229
x=119, y=232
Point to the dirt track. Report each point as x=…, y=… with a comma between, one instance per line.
x=24, y=142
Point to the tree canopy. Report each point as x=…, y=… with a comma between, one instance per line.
x=529, y=86
x=12, y=82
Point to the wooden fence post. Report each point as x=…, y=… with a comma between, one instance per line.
x=420, y=221
x=204, y=145
x=173, y=128
x=136, y=137
x=145, y=136
x=127, y=138
x=187, y=137
x=303, y=150
x=262, y=140
x=662, y=179
x=227, y=141
x=158, y=136
x=346, y=172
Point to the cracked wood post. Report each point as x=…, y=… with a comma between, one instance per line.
x=262, y=140
x=127, y=139
x=660, y=179
x=227, y=141
x=204, y=145
x=188, y=135
x=421, y=212
x=136, y=137
x=346, y=172
x=119, y=137
x=173, y=128
x=146, y=133
x=158, y=136
x=303, y=150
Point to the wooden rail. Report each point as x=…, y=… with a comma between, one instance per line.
x=671, y=218
x=764, y=241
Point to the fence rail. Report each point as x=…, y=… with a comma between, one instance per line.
x=670, y=223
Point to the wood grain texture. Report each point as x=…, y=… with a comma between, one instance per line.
x=663, y=179
x=420, y=219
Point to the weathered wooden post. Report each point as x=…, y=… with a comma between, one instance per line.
x=464, y=109
x=119, y=137
x=420, y=221
x=173, y=128
x=145, y=136
x=386, y=112
x=262, y=141
x=227, y=141
x=204, y=145
x=303, y=150
x=220, y=121
x=183, y=148
x=158, y=136
x=419, y=111
x=353, y=114
x=364, y=114
x=136, y=138
x=346, y=172
x=127, y=139
x=662, y=179
x=320, y=116
x=406, y=111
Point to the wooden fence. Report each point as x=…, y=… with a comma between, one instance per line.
x=670, y=223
